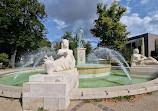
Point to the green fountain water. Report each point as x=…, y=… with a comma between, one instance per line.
x=116, y=78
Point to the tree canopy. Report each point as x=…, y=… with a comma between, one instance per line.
x=108, y=26
x=4, y=58
x=20, y=25
x=72, y=40
x=44, y=43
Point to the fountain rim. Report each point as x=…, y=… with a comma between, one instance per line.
x=92, y=93
x=110, y=92
x=96, y=66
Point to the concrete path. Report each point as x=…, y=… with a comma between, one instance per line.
x=144, y=103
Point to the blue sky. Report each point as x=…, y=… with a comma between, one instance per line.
x=69, y=15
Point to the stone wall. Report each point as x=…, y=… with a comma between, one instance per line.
x=10, y=91
x=110, y=92
x=49, y=91
x=151, y=43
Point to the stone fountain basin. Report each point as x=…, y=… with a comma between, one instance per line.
x=90, y=93
x=93, y=70
x=110, y=92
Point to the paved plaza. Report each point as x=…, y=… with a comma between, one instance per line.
x=148, y=102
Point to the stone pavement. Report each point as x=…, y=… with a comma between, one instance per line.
x=10, y=104
x=144, y=103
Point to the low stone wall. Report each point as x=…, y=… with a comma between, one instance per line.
x=10, y=91
x=90, y=93
x=109, y=92
x=93, y=69
x=7, y=71
x=84, y=76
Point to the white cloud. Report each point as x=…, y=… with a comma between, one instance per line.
x=128, y=9
x=72, y=14
x=143, y=2
x=60, y=24
x=137, y=25
x=128, y=1
x=153, y=12
x=93, y=39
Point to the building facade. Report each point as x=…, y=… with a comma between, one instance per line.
x=146, y=43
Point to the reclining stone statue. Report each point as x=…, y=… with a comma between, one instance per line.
x=66, y=59
x=140, y=60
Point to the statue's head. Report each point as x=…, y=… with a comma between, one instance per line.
x=80, y=29
x=65, y=44
x=136, y=51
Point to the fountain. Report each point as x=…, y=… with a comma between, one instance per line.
x=62, y=77
x=106, y=52
x=33, y=57
x=62, y=82
x=91, y=69
x=87, y=70
x=96, y=70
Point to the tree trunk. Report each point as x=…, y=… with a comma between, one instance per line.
x=13, y=56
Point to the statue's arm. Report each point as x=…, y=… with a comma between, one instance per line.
x=60, y=53
x=133, y=59
x=143, y=57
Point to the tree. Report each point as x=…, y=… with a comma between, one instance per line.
x=108, y=26
x=4, y=58
x=72, y=40
x=44, y=43
x=88, y=48
x=57, y=46
x=127, y=53
x=20, y=25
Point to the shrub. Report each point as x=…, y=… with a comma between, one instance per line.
x=119, y=98
x=4, y=58
x=127, y=97
x=87, y=101
x=149, y=93
x=40, y=109
x=97, y=100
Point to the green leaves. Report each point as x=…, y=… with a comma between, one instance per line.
x=108, y=27
x=4, y=57
x=20, y=24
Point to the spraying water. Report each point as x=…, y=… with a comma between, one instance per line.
x=105, y=53
x=34, y=58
